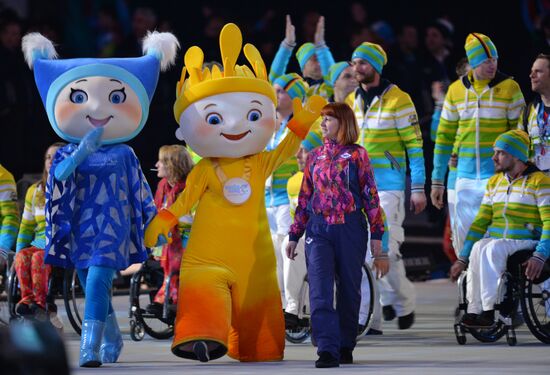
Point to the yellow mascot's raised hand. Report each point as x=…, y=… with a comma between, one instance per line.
x=305, y=116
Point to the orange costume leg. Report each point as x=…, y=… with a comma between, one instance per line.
x=204, y=310
x=258, y=330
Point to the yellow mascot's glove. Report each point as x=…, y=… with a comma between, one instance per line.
x=303, y=117
x=157, y=232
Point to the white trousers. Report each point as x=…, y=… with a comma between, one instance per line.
x=279, y=224
x=395, y=289
x=487, y=264
x=294, y=273
x=469, y=194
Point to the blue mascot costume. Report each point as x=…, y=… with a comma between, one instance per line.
x=98, y=202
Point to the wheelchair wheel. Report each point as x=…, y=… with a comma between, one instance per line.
x=535, y=304
x=372, y=298
x=142, y=293
x=136, y=331
x=5, y=314
x=13, y=294
x=74, y=299
x=303, y=331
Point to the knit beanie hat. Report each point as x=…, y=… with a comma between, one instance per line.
x=479, y=48
x=373, y=53
x=335, y=70
x=304, y=53
x=313, y=139
x=515, y=142
x=293, y=84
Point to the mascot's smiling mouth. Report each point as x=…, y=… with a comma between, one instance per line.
x=236, y=137
x=99, y=122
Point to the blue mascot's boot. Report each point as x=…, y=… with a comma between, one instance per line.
x=90, y=340
x=111, y=345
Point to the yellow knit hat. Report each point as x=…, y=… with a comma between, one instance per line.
x=203, y=83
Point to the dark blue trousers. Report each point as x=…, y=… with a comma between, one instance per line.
x=335, y=253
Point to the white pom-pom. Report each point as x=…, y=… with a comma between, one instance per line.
x=163, y=45
x=37, y=46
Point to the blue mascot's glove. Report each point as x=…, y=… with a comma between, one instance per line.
x=89, y=144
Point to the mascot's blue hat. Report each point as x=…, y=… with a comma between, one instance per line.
x=141, y=73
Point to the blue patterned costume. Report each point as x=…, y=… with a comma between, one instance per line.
x=97, y=216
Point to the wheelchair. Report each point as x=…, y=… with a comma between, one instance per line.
x=302, y=331
x=518, y=300
x=144, y=286
x=63, y=283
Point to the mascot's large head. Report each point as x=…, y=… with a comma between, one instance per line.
x=229, y=113
x=82, y=94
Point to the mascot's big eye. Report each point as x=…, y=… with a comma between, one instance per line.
x=214, y=119
x=78, y=96
x=254, y=115
x=117, y=96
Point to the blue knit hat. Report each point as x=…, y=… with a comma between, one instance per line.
x=313, y=139
x=335, y=70
x=373, y=53
x=140, y=73
x=293, y=84
x=304, y=53
x=515, y=142
x=479, y=48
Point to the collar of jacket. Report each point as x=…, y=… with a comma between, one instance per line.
x=373, y=92
x=499, y=77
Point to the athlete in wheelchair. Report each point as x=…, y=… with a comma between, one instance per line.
x=515, y=212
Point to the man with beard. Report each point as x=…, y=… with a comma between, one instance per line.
x=515, y=211
x=390, y=132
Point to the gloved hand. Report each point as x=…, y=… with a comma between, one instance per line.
x=304, y=117
x=158, y=230
x=88, y=145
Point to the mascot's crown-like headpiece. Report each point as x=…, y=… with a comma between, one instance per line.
x=203, y=83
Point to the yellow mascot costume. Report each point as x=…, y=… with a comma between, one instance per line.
x=229, y=300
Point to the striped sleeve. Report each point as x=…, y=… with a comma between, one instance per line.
x=9, y=214
x=280, y=62
x=325, y=59
x=406, y=121
x=28, y=221
x=445, y=138
x=543, y=204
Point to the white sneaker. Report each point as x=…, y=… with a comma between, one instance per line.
x=56, y=321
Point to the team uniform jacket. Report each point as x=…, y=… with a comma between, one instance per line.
x=390, y=132
x=471, y=121
x=517, y=209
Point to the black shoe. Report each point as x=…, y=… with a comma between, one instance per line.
x=201, y=351
x=346, y=356
x=388, y=312
x=326, y=360
x=154, y=308
x=24, y=309
x=374, y=331
x=406, y=321
x=291, y=320
x=477, y=321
